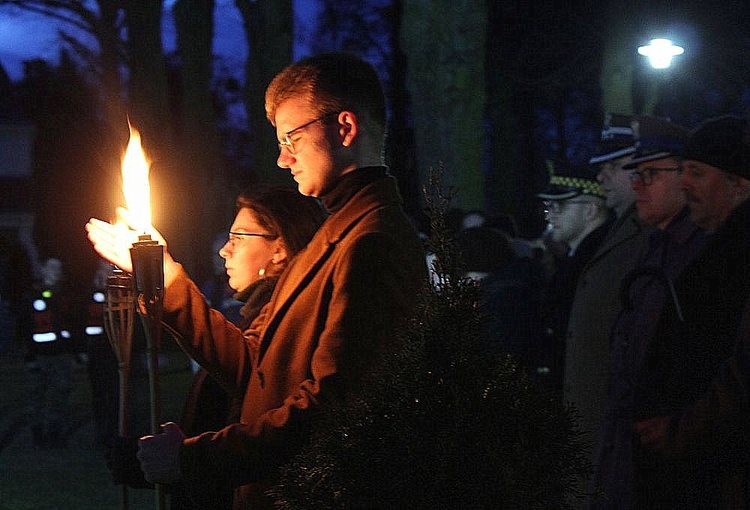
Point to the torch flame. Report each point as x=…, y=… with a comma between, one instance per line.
x=135, y=185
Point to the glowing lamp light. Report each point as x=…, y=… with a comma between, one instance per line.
x=660, y=52
x=135, y=185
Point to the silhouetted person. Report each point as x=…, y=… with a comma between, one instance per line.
x=50, y=355
x=509, y=289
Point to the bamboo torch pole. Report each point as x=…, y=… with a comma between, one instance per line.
x=118, y=323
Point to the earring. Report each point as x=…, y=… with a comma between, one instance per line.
x=262, y=272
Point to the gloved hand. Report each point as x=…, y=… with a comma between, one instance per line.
x=160, y=454
x=123, y=463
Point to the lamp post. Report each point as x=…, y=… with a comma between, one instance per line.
x=660, y=53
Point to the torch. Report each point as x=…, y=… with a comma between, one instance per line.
x=148, y=271
x=118, y=323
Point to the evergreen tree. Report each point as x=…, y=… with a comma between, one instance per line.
x=439, y=422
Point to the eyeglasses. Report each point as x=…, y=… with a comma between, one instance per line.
x=556, y=206
x=645, y=177
x=236, y=237
x=287, y=141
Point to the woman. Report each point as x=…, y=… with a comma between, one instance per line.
x=271, y=226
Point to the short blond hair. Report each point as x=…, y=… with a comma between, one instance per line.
x=332, y=82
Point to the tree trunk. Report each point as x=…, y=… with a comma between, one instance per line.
x=148, y=77
x=197, y=135
x=268, y=26
x=445, y=45
x=149, y=112
x=616, y=79
x=400, y=140
x=502, y=132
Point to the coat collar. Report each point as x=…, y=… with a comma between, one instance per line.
x=381, y=192
x=303, y=268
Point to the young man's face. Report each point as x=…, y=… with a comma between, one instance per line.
x=314, y=159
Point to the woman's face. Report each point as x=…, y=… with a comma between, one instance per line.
x=246, y=255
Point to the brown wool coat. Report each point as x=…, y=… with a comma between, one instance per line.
x=336, y=304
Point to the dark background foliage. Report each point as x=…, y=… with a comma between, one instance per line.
x=440, y=421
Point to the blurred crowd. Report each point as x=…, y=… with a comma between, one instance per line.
x=632, y=307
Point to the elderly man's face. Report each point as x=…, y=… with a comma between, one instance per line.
x=711, y=193
x=565, y=218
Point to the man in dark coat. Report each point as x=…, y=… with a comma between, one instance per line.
x=577, y=217
x=673, y=243
x=597, y=297
x=679, y=464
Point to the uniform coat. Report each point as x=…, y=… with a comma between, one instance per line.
x=334, y=307
x=595, y=307
x=556, y=302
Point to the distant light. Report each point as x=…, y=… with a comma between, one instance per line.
x=660, y=52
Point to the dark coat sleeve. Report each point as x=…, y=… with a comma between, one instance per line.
x=715, y=425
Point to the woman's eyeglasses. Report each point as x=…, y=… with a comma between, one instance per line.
x=236, y=237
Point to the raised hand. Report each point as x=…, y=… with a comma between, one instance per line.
x=112, y=241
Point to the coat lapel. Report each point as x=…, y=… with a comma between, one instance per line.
x=630, y=228
x=309, y=261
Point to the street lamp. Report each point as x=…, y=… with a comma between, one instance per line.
x=660, y=52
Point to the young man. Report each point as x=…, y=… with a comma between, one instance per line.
x=334, y=308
